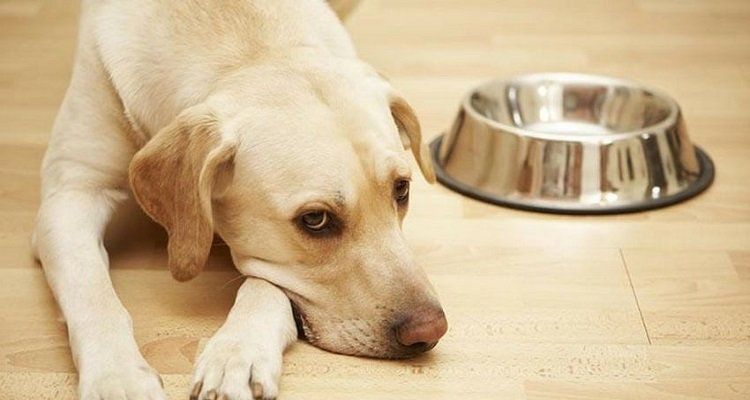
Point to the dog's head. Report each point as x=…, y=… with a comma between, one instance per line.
x=307, y=180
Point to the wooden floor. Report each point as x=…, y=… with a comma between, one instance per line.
x=653, y=305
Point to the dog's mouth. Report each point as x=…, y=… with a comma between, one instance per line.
x=387, y=349
x=303, y=328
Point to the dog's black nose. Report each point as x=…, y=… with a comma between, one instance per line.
x=423, y=329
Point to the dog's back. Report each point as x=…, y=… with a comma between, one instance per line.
x=183, y=48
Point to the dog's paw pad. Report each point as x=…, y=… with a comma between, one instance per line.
x=230, y=370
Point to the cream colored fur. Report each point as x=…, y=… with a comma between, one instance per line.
x=230, y=117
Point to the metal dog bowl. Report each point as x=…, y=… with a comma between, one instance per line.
x=571, y=143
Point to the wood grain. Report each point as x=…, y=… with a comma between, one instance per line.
x=654, y=305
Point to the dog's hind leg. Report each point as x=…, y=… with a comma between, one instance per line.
x=243, y=359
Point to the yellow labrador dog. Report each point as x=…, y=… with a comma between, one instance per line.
x=253, y=120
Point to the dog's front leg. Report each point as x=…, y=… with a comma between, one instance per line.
x=243, y=359
x=69, y=243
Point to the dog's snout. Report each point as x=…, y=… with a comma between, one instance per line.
x=423, y=329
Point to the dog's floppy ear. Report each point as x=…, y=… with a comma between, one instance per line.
x=411, y=135
x=173, y=178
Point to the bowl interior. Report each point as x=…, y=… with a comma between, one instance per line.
x=570, y=107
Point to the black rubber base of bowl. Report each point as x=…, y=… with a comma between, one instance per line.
x=706, y=177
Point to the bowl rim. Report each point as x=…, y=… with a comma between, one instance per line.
x=574, y=77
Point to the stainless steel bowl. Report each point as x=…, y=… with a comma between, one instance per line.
x=571, y=143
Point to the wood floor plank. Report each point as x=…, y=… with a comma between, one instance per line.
x=524, y=230
x=670, y=390
x=691, y=297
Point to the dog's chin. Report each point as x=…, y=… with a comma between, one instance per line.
x=394, y=352
x=388, y=348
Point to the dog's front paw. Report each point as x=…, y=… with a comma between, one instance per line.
x=128, y=381
x=229, y=369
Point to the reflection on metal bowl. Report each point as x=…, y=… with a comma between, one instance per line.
x=571, y=143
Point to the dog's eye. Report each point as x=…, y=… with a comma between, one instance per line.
x=316, y=221
x=401, y=191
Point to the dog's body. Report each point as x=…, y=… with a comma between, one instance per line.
x=256, y=121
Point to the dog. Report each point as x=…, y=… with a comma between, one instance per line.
x=255, y=121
